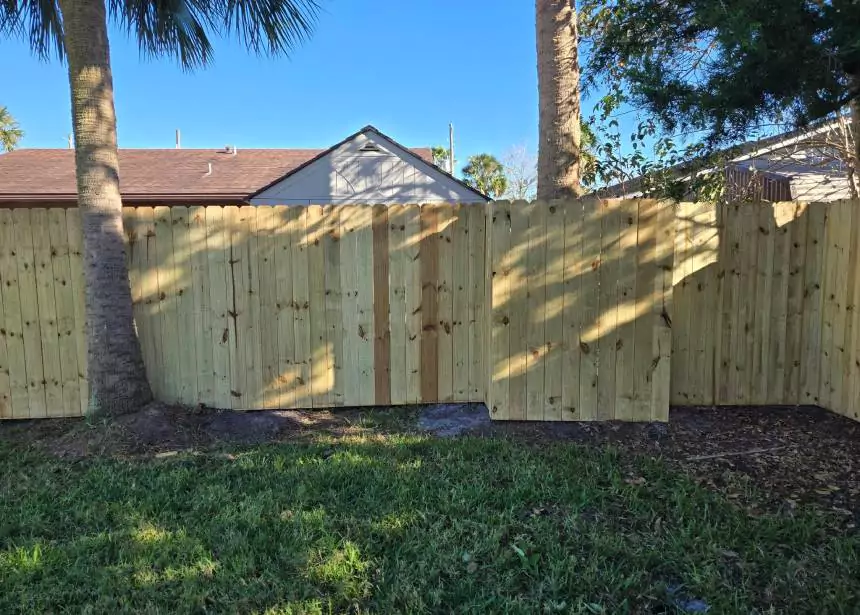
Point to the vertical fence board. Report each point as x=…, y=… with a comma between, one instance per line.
x=625, y=333
x=661, y=369
x=321, y=370
x=684, y=304
x=429, y=303
x=573, y=270
x=794, y=316
x=334, y=301
x=763, y=307
x=398, y=266
x=776, y=340
x=850, y=368
x=445, y=302
x=30, y=313
x=218, y=256
x=813, y=303
x=366, y=329
x=381, y=307
x=535, y=313
x=65, y=302
x=189, y=320
x=610, y=255
x=14, y=320
x=516, y=262
x=301, y=304
x=47, y=328
x=499, y=361
x=413, y=299
x=590, y=312
x=266, y=254
x=288, y=374
x=554, y=315
x=730, y=288
x=76, y=266
x=477, y=308
x=460, y=309
x=646, y=294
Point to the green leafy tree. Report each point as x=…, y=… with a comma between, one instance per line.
x=486, y=174
x=440, y=156
x=715, y=73
x=10, y=131
x=76, y=31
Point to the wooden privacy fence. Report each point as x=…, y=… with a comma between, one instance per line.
x=256, y=307
x=767, y=305
x=581, y=310
x=546, y=311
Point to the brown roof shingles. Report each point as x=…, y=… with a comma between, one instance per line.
x=48, y=175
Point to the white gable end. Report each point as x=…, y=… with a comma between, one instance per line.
x=367, y=169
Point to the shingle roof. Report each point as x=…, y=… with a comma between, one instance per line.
x=48, y=175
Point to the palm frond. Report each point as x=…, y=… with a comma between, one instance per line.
x=182, y=28
x=36, y=21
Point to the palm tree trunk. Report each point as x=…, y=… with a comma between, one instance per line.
x=117, y=375
x=559, y=107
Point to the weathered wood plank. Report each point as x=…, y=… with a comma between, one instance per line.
x=746, y=313
x=536, y=309
x=28, y=292
x=683, y=300
x=381, y=307
x=705, y=289
x=730, y=290
x=237, y=293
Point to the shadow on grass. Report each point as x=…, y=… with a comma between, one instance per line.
x=398, y=524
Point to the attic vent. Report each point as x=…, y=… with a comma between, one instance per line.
x=370, y=147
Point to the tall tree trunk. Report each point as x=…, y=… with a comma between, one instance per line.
x=117, y=375
x=559, y=107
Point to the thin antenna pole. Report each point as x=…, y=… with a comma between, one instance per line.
x=451, y=148
x=178, y=140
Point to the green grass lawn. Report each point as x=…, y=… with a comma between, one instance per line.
x=401, y=524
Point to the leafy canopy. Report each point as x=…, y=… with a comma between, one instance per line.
x=180, y=29
x=722, y=68
x=486, y=174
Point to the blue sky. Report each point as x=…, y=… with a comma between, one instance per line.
x=407, y=67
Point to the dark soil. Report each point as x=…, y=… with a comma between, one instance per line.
x=764, y=459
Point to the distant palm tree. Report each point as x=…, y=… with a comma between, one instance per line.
x=10, y=132
x=559, y=128
x=486, y=175
x=77, y=31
